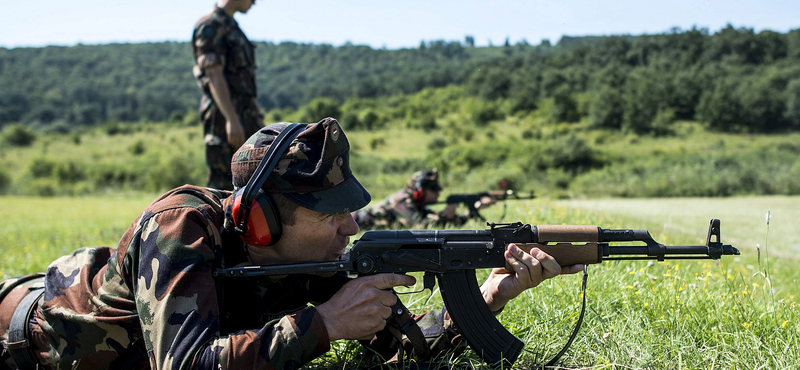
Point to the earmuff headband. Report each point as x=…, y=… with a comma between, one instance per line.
x=279, y=146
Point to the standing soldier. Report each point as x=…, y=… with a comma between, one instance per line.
x=225, y=70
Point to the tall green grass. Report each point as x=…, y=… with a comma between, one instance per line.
x=640, y=315
x=34, y=231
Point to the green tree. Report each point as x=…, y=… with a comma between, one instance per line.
x=645, y=93
x=719, y=108
x=565, y=108
x=793, y=104
x=606, y=108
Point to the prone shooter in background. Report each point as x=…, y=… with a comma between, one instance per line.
x=409, y=207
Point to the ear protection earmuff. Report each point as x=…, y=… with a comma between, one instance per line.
x=419, y=192
x=254, y=212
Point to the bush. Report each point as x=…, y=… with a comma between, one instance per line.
x=481, y=112
x=368, y=119
x=376, y=142
x=437, y=143
x=662, y=123
x=320, y=108
x=568, y=153
x=137, y=148
x=68, y=172
x=41, y=168
x=170, y=172
x=191, y=118
x=18, y=135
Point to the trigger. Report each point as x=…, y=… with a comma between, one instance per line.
x=428, y=281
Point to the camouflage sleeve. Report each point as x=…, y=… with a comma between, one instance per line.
x=208, y=39
x=177, y=304
x=440, y=332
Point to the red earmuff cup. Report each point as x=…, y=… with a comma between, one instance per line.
x=258, y=232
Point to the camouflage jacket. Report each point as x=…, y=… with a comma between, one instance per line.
x=218, y=40
x=155, y=295
x=399, y=210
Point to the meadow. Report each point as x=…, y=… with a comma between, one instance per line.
x=736, y=313
x=83, y=188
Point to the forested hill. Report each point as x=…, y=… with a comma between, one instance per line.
x=733, y=78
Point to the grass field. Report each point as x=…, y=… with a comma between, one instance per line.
x=640, y=314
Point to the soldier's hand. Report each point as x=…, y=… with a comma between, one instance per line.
x=449, y=211
x=527, y=270
x=360, y=308
x=485, y=202
x=235, y=133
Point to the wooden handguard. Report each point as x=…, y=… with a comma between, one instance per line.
x=566, y=254
x=567, y=233
x=557, y=241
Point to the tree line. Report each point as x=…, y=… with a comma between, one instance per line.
x=733, y=79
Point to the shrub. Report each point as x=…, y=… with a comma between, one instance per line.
x=68, y=172
x=376, y=142
x=137, y=148
x=18, y=135
x=481, y=112
x=170, y=172
x=662, y=123
x=368, y=119
x=437, y=143
x=320, y=108
x=191, y=118
x=41, y=168
x=425, y=122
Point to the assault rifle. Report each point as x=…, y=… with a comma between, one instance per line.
x=452, y=256
x=470, y=199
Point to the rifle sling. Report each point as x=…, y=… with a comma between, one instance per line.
x=402, y=321
x=577, y=325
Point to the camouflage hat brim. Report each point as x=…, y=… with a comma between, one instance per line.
x=348, y=196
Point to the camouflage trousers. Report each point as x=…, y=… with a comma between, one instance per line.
x=218, y=152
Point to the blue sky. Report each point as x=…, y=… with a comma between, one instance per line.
x=380, y=23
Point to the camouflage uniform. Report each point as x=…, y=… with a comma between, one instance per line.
x=401, y=210
x=218, y=40
x=153, y=302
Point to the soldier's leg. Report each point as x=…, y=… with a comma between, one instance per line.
x=218, y=151
x=218, y=160
x=251, y=118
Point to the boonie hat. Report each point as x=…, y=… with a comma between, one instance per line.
x=314, y=173
x=428, y=179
